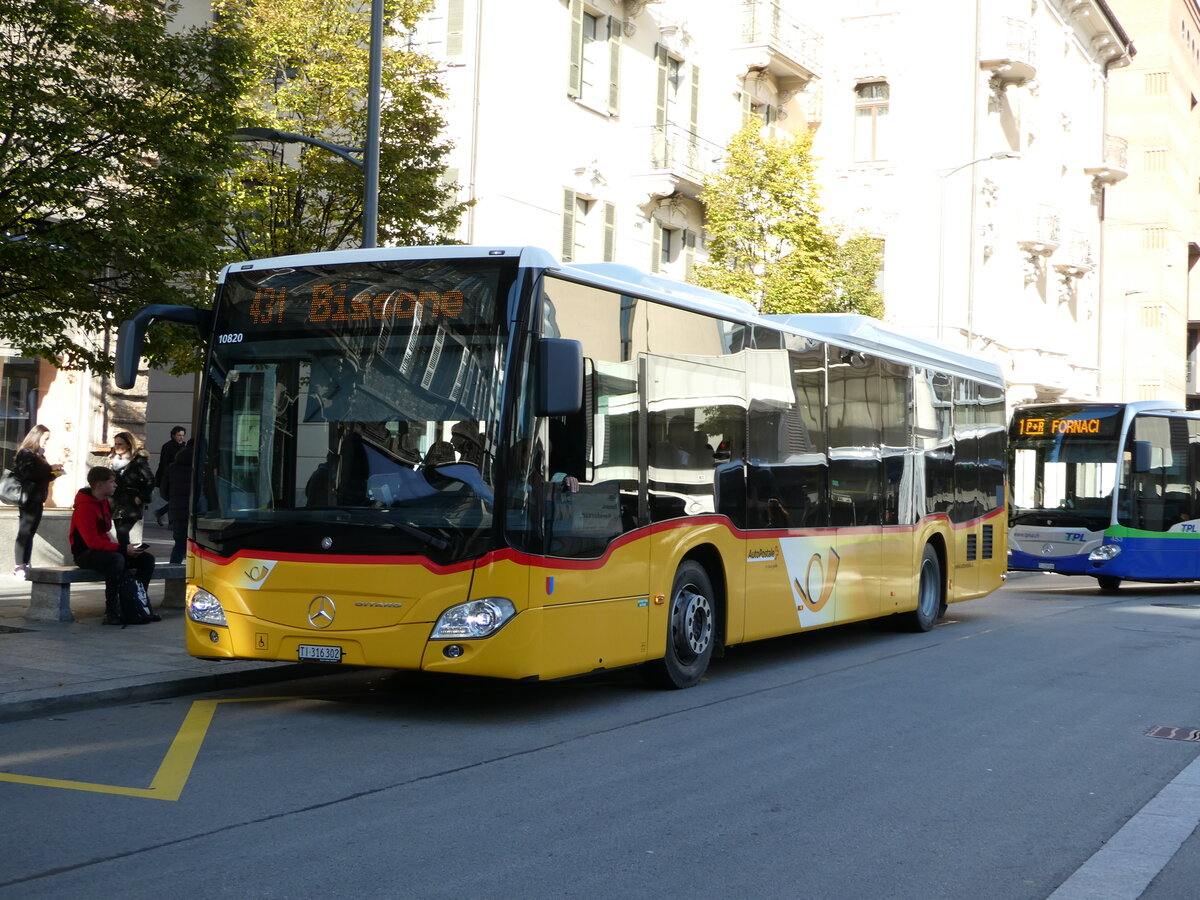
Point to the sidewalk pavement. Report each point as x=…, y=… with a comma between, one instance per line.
x=51, y=667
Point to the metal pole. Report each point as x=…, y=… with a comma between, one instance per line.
x=371, y=153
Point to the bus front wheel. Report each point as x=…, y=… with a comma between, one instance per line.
x=1109, y=584
x=691, y=630
x=930, y=591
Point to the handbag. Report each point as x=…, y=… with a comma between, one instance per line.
x=12, y=489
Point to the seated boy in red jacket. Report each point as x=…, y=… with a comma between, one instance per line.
x=91, y=520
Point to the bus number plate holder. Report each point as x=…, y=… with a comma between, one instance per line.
x=319, y=653
x=1049, y=566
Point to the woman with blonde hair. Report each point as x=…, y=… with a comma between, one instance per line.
x=35, y=474
x=135, y=484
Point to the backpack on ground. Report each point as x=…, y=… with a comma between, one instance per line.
x=133, y=606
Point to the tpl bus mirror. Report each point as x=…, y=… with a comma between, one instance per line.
x=1141, y=456
x=558, y=379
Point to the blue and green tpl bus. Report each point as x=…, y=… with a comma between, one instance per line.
x=1110, y=490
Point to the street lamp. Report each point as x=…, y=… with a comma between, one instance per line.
x=943, y=177
x=287, y=137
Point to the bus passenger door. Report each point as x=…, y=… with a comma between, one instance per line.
x=856, y=485
x=593, y=584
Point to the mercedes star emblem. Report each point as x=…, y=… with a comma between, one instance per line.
x=321, y=612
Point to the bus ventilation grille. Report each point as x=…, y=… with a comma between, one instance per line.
x=987, y=541
x=972, y=547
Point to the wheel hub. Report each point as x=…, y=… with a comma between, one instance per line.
x=694, y=630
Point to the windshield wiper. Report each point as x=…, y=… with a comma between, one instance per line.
x=422, y=535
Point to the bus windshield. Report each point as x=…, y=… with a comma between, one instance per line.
x=355, y=408
x=1064, y=465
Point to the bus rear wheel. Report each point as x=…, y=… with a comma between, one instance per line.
x=930, y=593
x=691, y=630
x=1109, y=584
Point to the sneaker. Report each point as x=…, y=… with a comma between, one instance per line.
x=155, y=617
x=19, y=573
x=110, y=620
x=158, y=520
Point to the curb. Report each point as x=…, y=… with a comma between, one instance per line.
x=35, y=707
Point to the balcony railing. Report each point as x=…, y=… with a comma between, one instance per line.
x=1040, y=233
x=1116, y=151
x=765, y=22
x=1074, y=257
x=1009, y=55
x=683, y=153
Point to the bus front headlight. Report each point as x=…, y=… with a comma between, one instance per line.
x=205, y=608
x=473, y=619
x=1104, y=553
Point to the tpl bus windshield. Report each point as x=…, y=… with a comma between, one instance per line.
x=355, y=408
x=1064, y=464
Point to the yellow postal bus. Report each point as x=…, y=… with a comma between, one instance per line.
x=477, y=460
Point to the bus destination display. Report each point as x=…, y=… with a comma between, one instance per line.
x=1051, y=426
x=328, y=303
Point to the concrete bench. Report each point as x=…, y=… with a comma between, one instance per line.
x=50, y=597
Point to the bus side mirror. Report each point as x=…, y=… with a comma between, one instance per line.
x=1141, y=456
x=558, y=386
x=133, y=332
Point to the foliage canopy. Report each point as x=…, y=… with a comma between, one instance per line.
x=113, y=142
x=765, y=238
x=309, y=77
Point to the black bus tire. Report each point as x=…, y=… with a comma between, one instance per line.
x=1109, y=584
x=931, y=593
x=691, y=630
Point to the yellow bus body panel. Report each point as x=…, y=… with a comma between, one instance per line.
x=579, y=616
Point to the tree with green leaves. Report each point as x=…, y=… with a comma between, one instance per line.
x=765, y=238
x=309, y=77
x=113, y=141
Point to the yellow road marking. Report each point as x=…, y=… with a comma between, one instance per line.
x=176, y=766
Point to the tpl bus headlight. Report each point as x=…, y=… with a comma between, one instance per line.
x=473, y=619
x=1104, y=553
x=205, y=608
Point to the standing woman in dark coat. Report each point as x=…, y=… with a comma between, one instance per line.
x=135, y=484
x=35, y=473
x=176, y=489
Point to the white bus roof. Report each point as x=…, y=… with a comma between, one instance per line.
x=1133, y=407
x=852, y=332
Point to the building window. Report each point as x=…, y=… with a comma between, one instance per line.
x=18, y=403
x=674, y=252
x=870, y=121
x=595, y=69
x=588, y=233
x=1154, y=237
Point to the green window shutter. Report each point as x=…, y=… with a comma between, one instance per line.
x=747, y=107
x=689, y=252
x=455, y=26
x=575, y=76
x=614, y=64
x=568, y=232
x=660, y=56
x=610, y=232
x=656, y=248
x=694, y=112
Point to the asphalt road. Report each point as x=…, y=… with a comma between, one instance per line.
x=990, y=758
